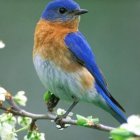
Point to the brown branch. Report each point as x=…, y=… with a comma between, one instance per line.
x=17, y=111
x=50, y=116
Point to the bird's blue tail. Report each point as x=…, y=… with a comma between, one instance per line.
x=119, y=116
x=112, y=108
x=115, y=110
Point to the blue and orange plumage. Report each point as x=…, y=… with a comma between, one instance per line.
x=65, y=62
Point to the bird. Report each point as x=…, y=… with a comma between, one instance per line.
x=65, y=62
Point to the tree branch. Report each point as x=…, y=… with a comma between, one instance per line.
x=17, y=111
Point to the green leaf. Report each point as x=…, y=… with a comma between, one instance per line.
x=34, y=135
x=121, y=134
x=89, y=117
x=83, y=121
x=47, y=96
x=96, y=121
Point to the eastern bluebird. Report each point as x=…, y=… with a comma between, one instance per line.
x=65, y=62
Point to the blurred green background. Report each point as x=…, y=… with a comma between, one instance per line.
x=112, y=28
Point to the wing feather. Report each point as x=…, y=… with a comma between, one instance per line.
x=80, y=48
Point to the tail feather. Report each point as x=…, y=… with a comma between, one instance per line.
x=112, y=107
x=119, y=116
x=115, y=111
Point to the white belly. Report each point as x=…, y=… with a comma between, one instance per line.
x=64, y=85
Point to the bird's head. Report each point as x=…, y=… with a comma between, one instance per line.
x=62, y=10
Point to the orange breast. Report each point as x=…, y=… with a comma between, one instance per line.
x=50, y=45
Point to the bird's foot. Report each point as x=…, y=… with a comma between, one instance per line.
x=59, y=118
x=60, y=124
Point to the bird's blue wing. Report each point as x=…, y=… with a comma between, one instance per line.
x=80, y=48
x=78, y=45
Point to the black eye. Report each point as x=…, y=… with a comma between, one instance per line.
x=62, y=10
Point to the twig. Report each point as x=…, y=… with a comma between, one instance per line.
x=17, y=111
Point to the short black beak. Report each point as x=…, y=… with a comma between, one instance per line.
x=80, y=11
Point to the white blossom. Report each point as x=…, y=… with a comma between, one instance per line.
x=8, y=118
x=2, y=94
x=2, y=45
x=7, y=127
x=59, y=127
x=7, y=132
x=42, y=136
x=24, y=121
x=20, y=98
x=133, y=124
x=2, y=97
x=2, y=90
x=35, y=135
x=70, y=114
x=60, y=111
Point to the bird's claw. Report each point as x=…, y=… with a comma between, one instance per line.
x=59, y=122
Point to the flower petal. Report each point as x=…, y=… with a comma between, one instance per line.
x=2, y=45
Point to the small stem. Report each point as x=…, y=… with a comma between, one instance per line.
x=33, y=125
x=21, y=129
x=12, y=103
